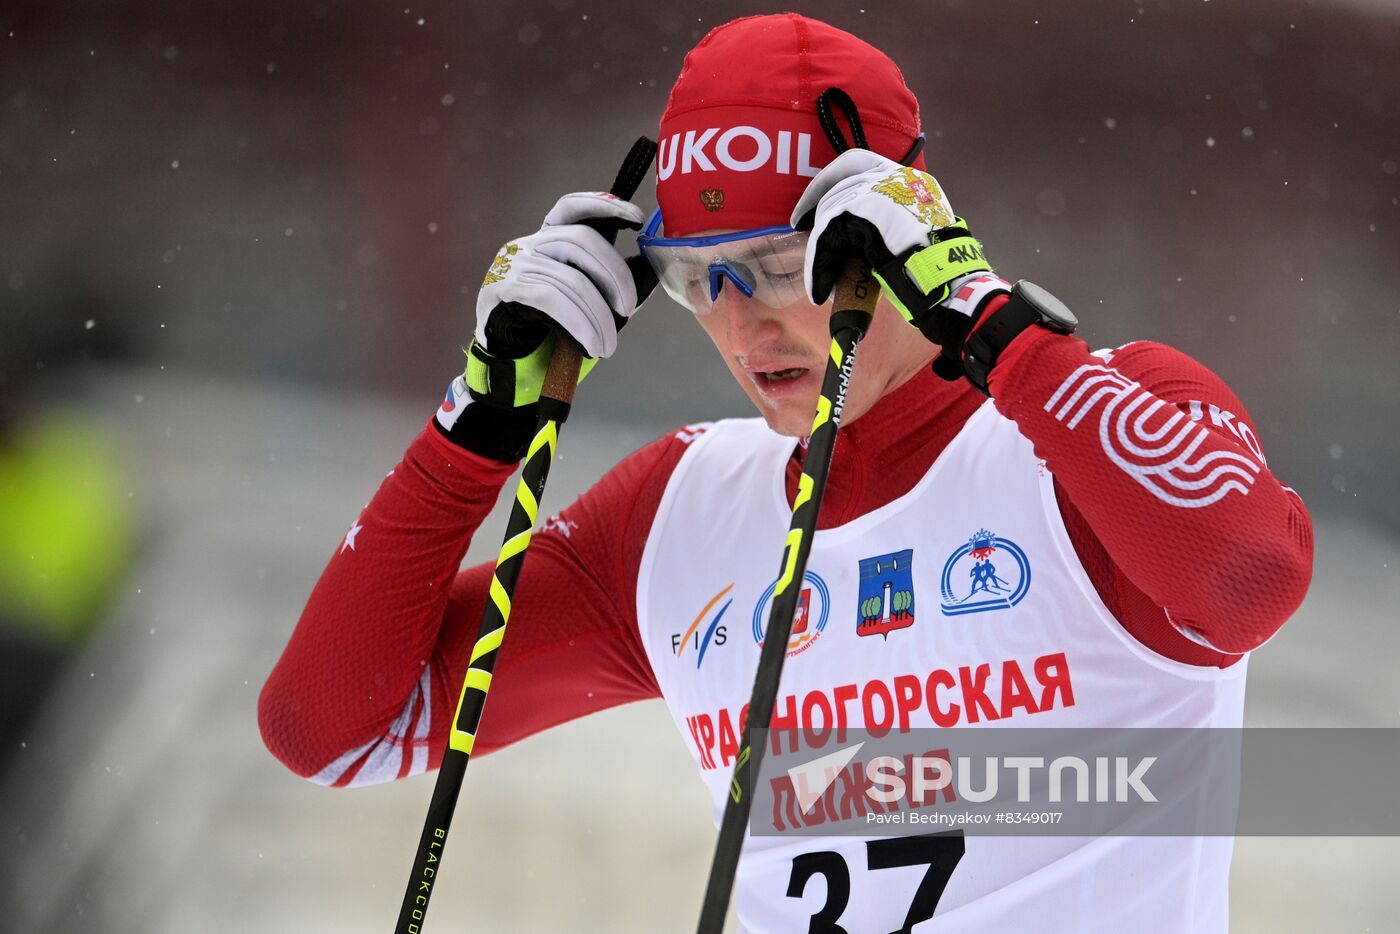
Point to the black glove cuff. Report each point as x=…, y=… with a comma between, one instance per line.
x=500, y=434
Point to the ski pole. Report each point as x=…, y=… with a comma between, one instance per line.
x=555, y=398
x=856, y=294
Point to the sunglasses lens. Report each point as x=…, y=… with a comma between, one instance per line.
x=696, y=271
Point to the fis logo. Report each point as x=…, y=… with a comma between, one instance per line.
x=738, y=149
x=886, y=594
x=705, y=631
x=808, y=619
x=987, y=573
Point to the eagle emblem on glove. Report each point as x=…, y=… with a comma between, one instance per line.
x=919, y=192
x=501, y=264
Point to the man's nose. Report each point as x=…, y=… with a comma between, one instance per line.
x=749, y=322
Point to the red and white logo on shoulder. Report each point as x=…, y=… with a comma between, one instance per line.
x=1151, y=440
x=692, y=432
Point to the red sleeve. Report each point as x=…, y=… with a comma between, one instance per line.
x=368, y=683
x=1192, y=542
x=573, y=646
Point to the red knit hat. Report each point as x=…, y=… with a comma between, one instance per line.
x=740, y=138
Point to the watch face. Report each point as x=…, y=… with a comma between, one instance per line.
x=1051, y=307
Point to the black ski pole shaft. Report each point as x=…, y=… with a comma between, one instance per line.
x=856, y=294
x=556, y=396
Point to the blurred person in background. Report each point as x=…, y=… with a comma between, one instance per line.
x=66, y=530
x=980, y=435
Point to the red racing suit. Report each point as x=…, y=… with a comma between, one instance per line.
x=368, y=683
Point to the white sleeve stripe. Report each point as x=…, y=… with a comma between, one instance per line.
x=382, y=759
x=425, y=687
x=1196, y=637
x=331, y=773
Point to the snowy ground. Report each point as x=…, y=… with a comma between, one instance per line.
x=144, y=801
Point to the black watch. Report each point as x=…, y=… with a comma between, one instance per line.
x=1029, y=304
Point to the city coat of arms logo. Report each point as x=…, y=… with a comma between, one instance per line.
x=987, y=573
x=808, y=618
x=886, y=598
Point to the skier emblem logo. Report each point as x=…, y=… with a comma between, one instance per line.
x=987, y=573
x=886, y=598
x=808, y=619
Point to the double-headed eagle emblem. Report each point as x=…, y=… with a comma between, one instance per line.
x=501, y=264
x=919, y=192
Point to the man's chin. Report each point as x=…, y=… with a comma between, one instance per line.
x=788, y=420
x=795, y=421
x=791, y=429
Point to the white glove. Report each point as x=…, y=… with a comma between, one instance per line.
x=568, y=272
x=904, y=205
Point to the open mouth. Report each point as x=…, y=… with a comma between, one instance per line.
x=782, y=376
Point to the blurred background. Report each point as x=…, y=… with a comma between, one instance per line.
x=239, y=244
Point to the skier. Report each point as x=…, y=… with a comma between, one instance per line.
x=1131, y=482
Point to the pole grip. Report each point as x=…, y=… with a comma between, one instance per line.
x=561, y=378
x=857, y=289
